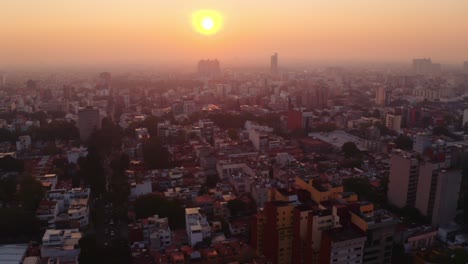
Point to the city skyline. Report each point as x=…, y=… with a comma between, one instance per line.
x=153, y=33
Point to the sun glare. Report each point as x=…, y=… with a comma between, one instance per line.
x=207, y=22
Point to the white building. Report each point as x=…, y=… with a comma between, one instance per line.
x=196, y=226
x=61, y=245
x=78, y=212
x=393, y=121
x=158, y=232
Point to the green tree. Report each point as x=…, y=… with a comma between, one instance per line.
x=376, y=113
x=404, y=142
x=236, y=207
x=155, y=155
x=31, y=193
x=18, y=226
x=7, y=190
x=350, y=149
x=233, y=134
x=149, y=205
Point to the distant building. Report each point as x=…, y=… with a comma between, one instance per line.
x=422, y=143
x=465, y=67
x=316, y=97
x=294, y=119
x=380, y=96
x=88, y=120
x=274, y=64
x=209, y=68
x=425, y=66
x=4, y=77
x=393, y=121
x=465, y=117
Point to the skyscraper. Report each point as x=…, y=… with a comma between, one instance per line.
x=4, y=80
x=88, y=120
x=380, y=96
x=403, y=179
x=425, y=66
x=438, y=195
x=274, y=64
x=209, y=68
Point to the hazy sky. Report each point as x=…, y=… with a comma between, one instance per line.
x=157, y=31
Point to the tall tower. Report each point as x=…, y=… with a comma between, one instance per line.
x=274, y=64
x=88, y=121
x=405, y=170
x=3, y=80
x=438, y=195
x=380, y=96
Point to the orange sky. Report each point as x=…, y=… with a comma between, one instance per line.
x=153, y=31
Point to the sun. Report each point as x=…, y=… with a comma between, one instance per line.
x=207, y=22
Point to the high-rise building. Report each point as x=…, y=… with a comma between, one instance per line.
x=425, y=66
x=380, y=96
x=465, y=117
x=393, y=121
x=403, y=179
x=379, y=226
x=279, y=233
x=437, y=195
x=4, y=76
x=316, y=97
x=274, y=64
x=88, y=120
x=294, y=119
x=209, y=68
x=342, y=245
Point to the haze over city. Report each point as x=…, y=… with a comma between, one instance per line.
x=234, y=132
x=123, y=32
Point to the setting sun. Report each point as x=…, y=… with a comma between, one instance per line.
x=207, y=22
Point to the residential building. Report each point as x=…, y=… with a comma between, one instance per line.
x=405, y=169
x=196, y=225
x=342, y=246
x=438, y=195
x=88, y=120
x=61, y=245
x=393, y=121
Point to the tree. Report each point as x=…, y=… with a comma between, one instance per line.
x=155, y=155
x=236, y=206
x=211, y=181
x=31, y=193
x=7, y=190
x=404, y=142
x=18, y=225
x=149, y=205
x=88, y=249
x=363, y=188
x=440, y=130
x=376, y=113
x=233, y=134
x=10, y=164
x=350, y=149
